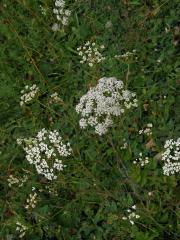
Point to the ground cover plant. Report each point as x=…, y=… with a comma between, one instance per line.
x=89, y=119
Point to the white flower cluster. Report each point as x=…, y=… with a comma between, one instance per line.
x=147, y=131
x=21, y=229
x=31, y=201
x=131, y=215
x=141, y=161
x=19, y=141
x=55, y=98
x=43, y=10
x=171, y=157
x=44, y=152
x=52, y=191
x=28, y=94
x=125, y=144
x=62, y=15
x=90, y=54
x=126, y=56
x=108, y=25
x=14, y=180
x=101, y=103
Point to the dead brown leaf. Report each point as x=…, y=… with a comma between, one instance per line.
x=158, y=156
x=150, y=144
x=146, y=107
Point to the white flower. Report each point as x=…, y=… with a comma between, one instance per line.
x=67, y=12
x=64, y=20
x=31, y=201
x=83, y=123
x=55, y=98
x=59, y=3
x=21, y=229
x=29, y=93
x=108, y=25
x=147, y=130
x=55, y=11
x=43, y=10
x=55, y=27
x=125, y=144
x=19, y=141
x=44, y=152
x=103, y=102
x=149, y=125
x=90, y=54
x=90, y=64
x=62, y=15
x=171, y=157
x=12, y=180
x=131, y=215
x=141, y=161
x=126, y=56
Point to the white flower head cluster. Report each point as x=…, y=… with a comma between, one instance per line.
x=125, y=144
x=147, y=131
x=45, y=150
x=12, y=180
x=90, y=53
x=101, y=103
x=21, y=229
x=52, y=191
x=29, y=93
x=141, y=161
x=108, y=25
x=62, y=15
x=31, y=201
x=126, y=56
x=43, y=10
x=131, y=215
x=55, y=98
x=171, y=157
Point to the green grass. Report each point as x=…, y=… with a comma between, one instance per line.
x=100, y=182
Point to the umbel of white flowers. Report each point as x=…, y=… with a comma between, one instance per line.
x=108, y=99
x=90, y=53
x=131, y=216
x=45, y=152
x=171, y=157
x=21, y=229
x=28, y=94
x=62, y=15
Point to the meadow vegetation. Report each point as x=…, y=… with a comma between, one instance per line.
x=84, y=158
